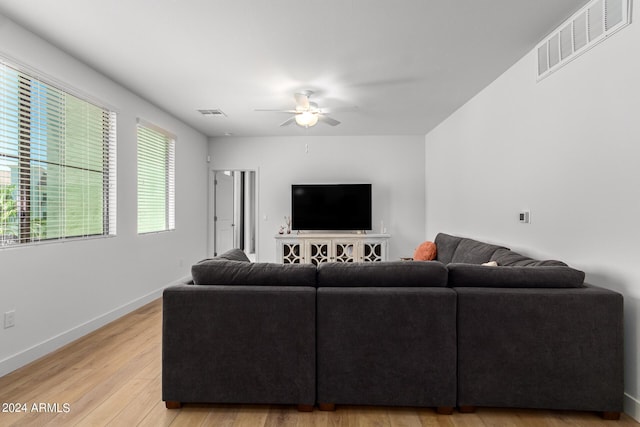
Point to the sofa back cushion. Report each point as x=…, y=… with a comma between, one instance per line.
x=510, y=258
x=446, y=245
x=228, y=272
x=463, y=250
x=470, y=275
x=231, y=255
x=234, y=255
x=383, y=274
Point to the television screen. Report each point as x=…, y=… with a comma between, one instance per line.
x=331, y=207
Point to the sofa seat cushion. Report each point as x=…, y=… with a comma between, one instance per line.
x=383, y=274
x=226, y=272
x=464, y=250
x=470, y=275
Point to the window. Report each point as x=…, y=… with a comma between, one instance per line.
x=156, y=179
x=57, y=162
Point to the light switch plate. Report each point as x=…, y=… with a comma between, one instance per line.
x=9, y=319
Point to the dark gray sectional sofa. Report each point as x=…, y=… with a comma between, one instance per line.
x=443, y=333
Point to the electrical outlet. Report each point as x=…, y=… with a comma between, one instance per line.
x=10, y=319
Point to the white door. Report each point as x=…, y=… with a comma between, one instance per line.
x=223, y=212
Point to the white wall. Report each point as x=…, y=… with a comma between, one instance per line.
x=62, y=290
x=568, y=149
x=394, y=165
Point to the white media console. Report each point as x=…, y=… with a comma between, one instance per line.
x=316, y=248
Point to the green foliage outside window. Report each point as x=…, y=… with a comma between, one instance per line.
x=8, y=214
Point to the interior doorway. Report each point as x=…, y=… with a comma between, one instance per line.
x=233, y=210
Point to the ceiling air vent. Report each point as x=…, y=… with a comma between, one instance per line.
x=589, y=26
x=212, y=113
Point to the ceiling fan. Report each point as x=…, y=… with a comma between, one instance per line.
x=306, y=113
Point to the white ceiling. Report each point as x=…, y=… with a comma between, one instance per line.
x=405, y=64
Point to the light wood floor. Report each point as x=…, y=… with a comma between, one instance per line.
x=112, y=377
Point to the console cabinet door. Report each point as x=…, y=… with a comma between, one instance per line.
x=374, y=251
x=318, y=251
x=345, y=250
x=332, y=250
x=291, y=252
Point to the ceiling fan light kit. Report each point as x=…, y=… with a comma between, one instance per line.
x=306, y=114
x=306, y=119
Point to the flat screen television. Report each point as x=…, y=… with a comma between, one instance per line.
x=331, y=207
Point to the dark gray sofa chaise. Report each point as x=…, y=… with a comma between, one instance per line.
x=531, y=334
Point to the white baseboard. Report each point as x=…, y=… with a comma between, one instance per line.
x=632, y=407
x=31, y=354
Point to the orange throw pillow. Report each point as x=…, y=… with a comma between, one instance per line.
x=425, y=252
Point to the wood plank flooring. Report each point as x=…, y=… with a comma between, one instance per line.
x=112, y=378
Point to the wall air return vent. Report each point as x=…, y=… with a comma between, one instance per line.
x=589, y=26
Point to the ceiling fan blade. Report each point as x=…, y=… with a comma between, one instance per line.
x=288, y=121
x=407, y=80
x=302, y=101
x=276, y=111
x=328, y=120
x=330, y=110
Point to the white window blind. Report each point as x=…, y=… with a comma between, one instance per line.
x=156, y=179
x=57, y=162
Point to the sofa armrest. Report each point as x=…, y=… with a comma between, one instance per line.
x=239, y=344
